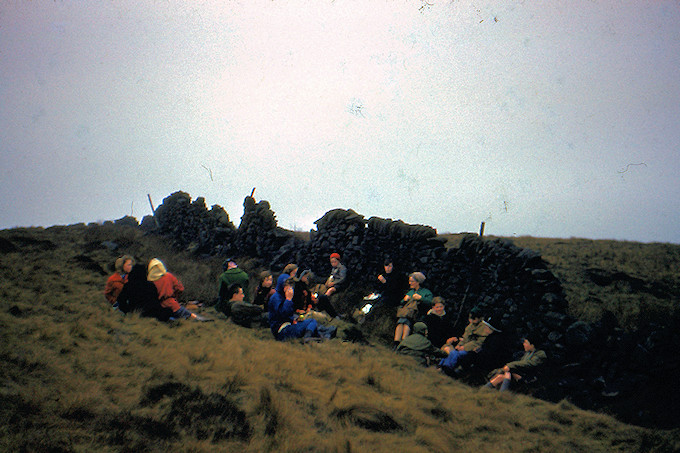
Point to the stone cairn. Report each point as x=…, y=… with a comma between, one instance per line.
x=589, y=363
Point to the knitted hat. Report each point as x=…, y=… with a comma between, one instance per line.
x=335, y=255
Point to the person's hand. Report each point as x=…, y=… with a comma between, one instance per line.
x=452, y=340
x=382, y=279
x=459, y=347
x=417, y=296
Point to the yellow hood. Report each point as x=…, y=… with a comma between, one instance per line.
x=156, y=270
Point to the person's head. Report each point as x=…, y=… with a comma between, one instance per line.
x=528, y=345
x=415, y=280
x=290, y=269
x=124, y=264
x=420, y=327
x=335, y=259
x=306, y=275
x=475, y=316
x=137, y=274
x=229, y=263
x=156, y=270
x=388, y=265
x=438, y=306
x=288, y=287
x=235, y=293
x=266, y=279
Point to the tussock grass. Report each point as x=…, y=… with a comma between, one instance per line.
x=77, y=376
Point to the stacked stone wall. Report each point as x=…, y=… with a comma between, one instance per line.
x=588, y=363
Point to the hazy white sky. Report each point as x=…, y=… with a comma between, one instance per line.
x=548, y=119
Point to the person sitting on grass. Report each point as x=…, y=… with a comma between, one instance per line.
x=474, y=336
x=141, y=295
x=304, y=300
x=282, y=321
x=115, y=283
x=417, y=345
x=265, y=290
x=408, y=310
x=439, y=323
x=338, y=278
x=232, y=274
x=169, y=288
x=518, y=369
x=393, y=284
x=241, y=312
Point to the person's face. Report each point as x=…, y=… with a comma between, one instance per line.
x=334, y=262
x=127, y=266
x=412, y=283
x=389, y=268
x=527, y=345
x=438, y=308
x=268, y=282
x=475, y=321
x=288, y=291
x=238, y=297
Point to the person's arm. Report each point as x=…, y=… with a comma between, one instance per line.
x=177, y=287
x=426, y=297
x=340, y=275
x=110, y=291
x=528, y=361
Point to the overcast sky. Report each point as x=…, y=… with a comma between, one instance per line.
x=554, y=119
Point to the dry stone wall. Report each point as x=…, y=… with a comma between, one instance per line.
x=589, y=363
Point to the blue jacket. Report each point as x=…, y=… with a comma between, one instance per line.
x=280, y=309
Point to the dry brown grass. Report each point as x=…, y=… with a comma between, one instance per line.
x=77, y=376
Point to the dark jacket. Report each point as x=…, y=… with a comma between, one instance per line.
x=394, y=288
x=141, y=295
x=439, y=328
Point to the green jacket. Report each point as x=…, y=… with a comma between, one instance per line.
x=529, y=360
x=418, y=346
x=228, y=278
x=425, y=302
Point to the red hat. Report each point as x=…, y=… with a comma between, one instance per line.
x=335, y=255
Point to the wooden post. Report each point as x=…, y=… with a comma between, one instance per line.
x=153, y=211
x=481, y=230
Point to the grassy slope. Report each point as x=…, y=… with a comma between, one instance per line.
x=79, y=377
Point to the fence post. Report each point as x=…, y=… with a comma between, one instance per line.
x=153, y=211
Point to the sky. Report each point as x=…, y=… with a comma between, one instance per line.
x=549, y=119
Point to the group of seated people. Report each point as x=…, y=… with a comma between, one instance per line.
x=428, y=336
x=150, y=290
x=296, y=307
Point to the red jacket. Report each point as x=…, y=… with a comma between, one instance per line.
x=168, y=289
x=114, y=285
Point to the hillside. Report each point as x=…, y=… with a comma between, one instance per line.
x=638, y=283
x=77, y=376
